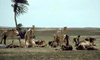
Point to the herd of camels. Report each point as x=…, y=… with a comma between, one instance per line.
x=60, y=39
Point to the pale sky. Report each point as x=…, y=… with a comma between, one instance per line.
x=53, y=13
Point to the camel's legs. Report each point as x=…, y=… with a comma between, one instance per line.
x=26, y=40
x=30, y=42
x=1, y=40
x=19, y=41
x=5, y=41
x=12, y=42
x=3, y=37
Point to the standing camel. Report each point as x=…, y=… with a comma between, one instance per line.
x=13, y=33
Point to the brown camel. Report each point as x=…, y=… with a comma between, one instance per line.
x=91, y=40
x=29, y=38
x=85, y=45
x=40, y=43
x=13, y=33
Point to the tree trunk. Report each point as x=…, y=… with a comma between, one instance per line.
x=15, y=19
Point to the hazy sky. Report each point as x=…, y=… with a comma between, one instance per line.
x=53, y=13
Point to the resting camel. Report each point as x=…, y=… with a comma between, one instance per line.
x=40, y=43
x=91, y=40
x=13, y=33
x=53, y=44
x=67, y=46
x=85, y=45
x=28, y=38
x=58, y=38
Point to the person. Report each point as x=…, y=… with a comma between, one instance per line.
x=76, y=40
x=57, y=40
x=21, y=33
x=66, y=39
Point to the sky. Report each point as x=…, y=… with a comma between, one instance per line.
x=53, y=13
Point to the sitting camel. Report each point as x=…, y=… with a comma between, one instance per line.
x=28, y=38
x=67, y=46
x=91, y=40
x=40, y=43
x=53, y=44
x=85, y=45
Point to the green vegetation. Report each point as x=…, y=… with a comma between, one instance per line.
x=19, y=25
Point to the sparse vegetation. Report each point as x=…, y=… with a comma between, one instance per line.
x=48, y=53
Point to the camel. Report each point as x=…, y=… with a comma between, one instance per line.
x=63, y=47
x=57, y=39
x=29, y=36
x=85, y=45
x=61, y=40
x=53, y=44
x=13, y=33
x=59, y=36
x=40, y=43
x=67, y=46
x=91, y=40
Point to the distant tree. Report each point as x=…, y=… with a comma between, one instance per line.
x=19, y=7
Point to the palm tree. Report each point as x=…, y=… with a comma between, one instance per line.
x=19, y=7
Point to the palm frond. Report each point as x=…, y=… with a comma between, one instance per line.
x=20, y=6
x=20, y=1
x=21, y=9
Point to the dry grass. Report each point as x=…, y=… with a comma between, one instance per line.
x=48, y=53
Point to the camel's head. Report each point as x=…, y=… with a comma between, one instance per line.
x=90, y=39
x=29, y=30
x=87, y=39
x=15, y=31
